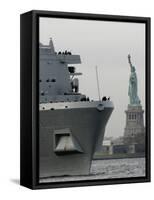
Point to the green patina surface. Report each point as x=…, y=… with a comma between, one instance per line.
x=133, y=90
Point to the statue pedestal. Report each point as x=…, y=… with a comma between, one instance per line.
x=134, y=123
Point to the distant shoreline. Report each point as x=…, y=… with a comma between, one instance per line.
x=118, y=156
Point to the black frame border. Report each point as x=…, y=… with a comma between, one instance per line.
x=29, y=142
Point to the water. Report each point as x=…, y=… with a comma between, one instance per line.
x=108, y=169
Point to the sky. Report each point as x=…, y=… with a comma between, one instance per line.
x=104, y=44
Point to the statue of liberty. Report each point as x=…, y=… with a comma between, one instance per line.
x=132, y=91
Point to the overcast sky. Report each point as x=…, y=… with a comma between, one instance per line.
x=105, y=45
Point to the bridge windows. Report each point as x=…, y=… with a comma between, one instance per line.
x=53, y=80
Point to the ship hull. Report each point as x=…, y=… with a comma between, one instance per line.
x=87, y=126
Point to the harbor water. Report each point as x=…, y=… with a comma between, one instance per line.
x=107, y=169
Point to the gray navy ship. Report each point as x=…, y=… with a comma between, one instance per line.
x=72, y=126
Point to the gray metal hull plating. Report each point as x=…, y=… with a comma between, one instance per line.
x=87, y=126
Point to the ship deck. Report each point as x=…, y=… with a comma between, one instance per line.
x=78, y=104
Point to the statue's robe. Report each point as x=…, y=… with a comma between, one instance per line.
x=132, y=91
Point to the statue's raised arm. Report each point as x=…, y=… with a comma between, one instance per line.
x=129, y=61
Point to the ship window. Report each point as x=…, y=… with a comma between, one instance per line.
x=42, y=93
x=40, y=80
x=53, y=80
x=47, y=80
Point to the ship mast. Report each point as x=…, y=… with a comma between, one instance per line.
x=98, y=84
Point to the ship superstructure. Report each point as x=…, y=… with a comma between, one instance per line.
x=71, y=125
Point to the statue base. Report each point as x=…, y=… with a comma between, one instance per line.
x=134, y=121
